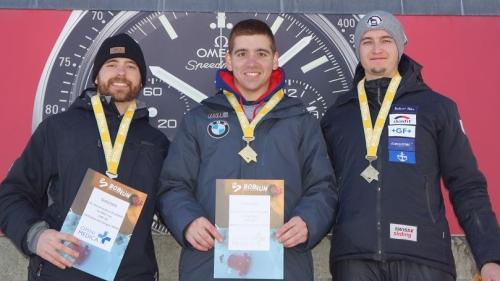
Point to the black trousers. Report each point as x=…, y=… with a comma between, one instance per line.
x=398, y=270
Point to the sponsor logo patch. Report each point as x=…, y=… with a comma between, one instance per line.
x=402, y=119
x=404, y=109
x=218, y=129
x=117, y=50
x=403, y=232
x=374, y=21
x=405, y=144
x=399, y=156
x=218, y=115
x=405, y=131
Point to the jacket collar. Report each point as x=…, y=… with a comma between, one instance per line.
x=412, y=80
x=83, y=103
x=224, y=80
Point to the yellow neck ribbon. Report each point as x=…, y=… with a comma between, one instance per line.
x=248, y=128
x=112, y=152
x=372, y=134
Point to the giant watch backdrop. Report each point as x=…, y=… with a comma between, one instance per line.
x=46, y=62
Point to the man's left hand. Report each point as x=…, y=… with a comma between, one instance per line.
x=490, y=272
x=292, y=233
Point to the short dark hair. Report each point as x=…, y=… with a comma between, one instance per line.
x=251, y=27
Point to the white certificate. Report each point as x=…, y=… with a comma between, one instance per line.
x=101, y=220
x=249, y=222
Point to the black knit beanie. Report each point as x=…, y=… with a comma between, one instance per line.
x=119, y=46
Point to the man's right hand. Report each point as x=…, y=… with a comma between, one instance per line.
x=201, y=234
x=50, y=244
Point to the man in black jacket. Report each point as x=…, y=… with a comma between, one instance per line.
x=39, y=189
x=391, y=222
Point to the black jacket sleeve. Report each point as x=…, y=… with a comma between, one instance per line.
x=467, y=188
x=23, y=193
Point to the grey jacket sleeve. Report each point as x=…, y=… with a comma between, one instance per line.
x=467, y=189
x=318, y=204
x=177, y=204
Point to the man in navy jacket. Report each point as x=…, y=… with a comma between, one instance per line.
x=391, y=223
x=289, y=145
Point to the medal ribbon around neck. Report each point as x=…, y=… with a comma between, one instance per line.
x=372, y=134
x=112, y=152
x=248, y=128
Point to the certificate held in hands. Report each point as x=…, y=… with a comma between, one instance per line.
x=248, y=214
x=103, y=216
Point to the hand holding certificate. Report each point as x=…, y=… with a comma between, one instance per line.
x=102, y=216
x=248, y=215
x=293, y=233
x=201, y=234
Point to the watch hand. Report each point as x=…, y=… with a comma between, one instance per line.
x=311, y=108
x=177, y=84
x=294, y=50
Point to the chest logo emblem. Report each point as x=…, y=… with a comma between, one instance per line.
x=218, y=129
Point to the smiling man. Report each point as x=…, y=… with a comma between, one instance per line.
x=285, y=143
x=38, y=191
x=391, y=141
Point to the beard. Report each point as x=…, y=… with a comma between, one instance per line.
x=119, y=95
x=378, y=70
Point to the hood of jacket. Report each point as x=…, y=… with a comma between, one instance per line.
x=285, y=108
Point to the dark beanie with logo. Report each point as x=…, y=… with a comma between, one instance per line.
x=120, y=46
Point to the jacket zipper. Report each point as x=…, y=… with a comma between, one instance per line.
x=379, y=193
x=378, y=96
x=39, y=270
x=379, y=209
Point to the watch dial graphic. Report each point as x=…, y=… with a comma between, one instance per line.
x=184, y=50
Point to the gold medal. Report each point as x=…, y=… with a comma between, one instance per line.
x=248, y=154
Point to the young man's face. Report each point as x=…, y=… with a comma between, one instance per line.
x=378, y=54
x=252, y=62
x=119, y=78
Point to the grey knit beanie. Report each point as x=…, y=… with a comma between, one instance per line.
x=381, y=20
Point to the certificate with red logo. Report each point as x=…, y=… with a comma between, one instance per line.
x=248, y=214
x=103, y=216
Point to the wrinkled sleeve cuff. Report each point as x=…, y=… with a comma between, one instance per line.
x=34, y=234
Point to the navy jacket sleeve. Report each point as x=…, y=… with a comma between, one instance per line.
x=318, y=204
x=23, y=193
x=467, y=189
x=177, y=204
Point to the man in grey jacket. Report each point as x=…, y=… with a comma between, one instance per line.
x=288, y=145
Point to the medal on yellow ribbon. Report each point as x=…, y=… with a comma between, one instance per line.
x=248, y=153
x=372, y=134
